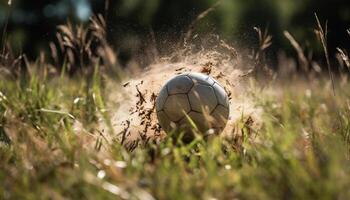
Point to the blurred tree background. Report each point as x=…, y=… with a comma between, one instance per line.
x=32, y=24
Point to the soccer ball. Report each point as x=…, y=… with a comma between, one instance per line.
x=192, y=101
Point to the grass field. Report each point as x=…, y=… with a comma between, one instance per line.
x=60, y=138
x=53, y=147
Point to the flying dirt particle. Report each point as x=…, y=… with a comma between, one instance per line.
x=179, y=69
x=219, y=76
x=247, y=73
x=229, y=93
x=229, y=83
x=153, y=97
x=126, y=84
x=125, y=132
x=207, y=68
x=140, y=95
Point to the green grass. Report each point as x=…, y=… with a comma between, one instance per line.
x=300, y=152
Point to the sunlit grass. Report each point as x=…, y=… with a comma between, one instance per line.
x=301, y=151
x=57, y=137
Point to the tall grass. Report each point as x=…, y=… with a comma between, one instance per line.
x=302, y=150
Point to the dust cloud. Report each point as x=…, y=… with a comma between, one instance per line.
x=134, y=118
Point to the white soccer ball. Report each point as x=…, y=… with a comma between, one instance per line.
x=192, y=99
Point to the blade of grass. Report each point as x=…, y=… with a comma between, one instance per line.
x=56, y=112
x=193, y=125
x=5, y=27
x=322, y=34
x=199, y=18
x=302, y=58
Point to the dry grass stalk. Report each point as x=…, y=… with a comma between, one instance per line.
x=4, y=34
x=344, y=57
x=107, y=3
x=301, y=56
x=199, y=18
x=259, y=57
x=322, y=35
x=265, y=40
x=13, y=65
x=83, y=46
